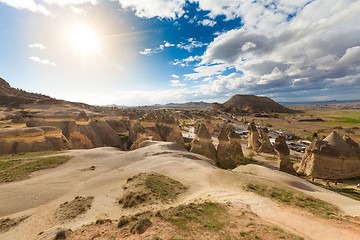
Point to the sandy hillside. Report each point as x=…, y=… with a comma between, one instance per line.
x=97, y=177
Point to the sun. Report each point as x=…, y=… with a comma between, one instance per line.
x=84, y=39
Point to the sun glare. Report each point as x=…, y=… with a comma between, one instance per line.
x=84, y=39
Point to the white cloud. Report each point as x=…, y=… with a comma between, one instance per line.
x=316, y=49
x=207, y=71
x=70, y=2
x=186, y=61
x=146, y=51
x=149, y=51
x=42, y=61
x=77, y=10
x=167, y=44
x=190, y=45
x=174, y=76
x=155, y=8
x=176, y=83
x=207, y=22
x=29, y=5
x=37, y=45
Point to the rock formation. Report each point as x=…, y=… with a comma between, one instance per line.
x=209, y=125
x=160, y=126
x=229, y=151
x=253, y=140
x=332, y=158
x=22, y=140
x=202, y=143
x=266, y=145
x=82, y=117
x=18, y=119
x=284, y=155
x=224, y=158
x=82, y=132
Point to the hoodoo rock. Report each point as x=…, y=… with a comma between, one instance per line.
x=224, y=156
x=209, y=126
x=284, y=155
x=22, y=140
x=332, y=158
x=236, y=152
x=253, y=140
x=266, y=146
x=202, y=143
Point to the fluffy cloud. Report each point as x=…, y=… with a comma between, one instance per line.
x=37, y=45
x=316, y=49
x=149, y=51
x=190, y=45
x=176, y=83
x=77, y=10
x=174, y=76
x=207, y=22
x=70, y=2
x=29, y=5
x=155, y=8
x=186, y=61
x=207, y=71
x=42, y=61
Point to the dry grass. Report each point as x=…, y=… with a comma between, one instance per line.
x=72, y=209
x=7, y=223
x=295, y=199
x=206, y=220
x=151, y=188
x=20, y=169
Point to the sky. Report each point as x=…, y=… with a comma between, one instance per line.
x=144, y=52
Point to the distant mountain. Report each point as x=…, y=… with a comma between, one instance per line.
x=356, y=101
x=251, y=104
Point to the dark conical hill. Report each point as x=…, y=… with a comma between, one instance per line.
x=251, y=104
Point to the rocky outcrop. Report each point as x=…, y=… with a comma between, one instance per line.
x=82, y=133
x=266, y=145
x=209, y=125
x=160, y=126
x=253, y=140
x=224, y=158
x=284, y=155
x=18, y=119
x=22, y=140
x=332, y=158
x=82, y=117
x=202, y=143
x=229, y=151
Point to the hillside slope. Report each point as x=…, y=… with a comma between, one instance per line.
x=251, y=104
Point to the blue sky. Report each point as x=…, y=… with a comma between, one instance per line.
x=138, y=52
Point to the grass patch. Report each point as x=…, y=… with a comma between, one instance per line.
x=150, y=188
x=29, y=155
x=16, y=170
x=345, y=119
x=295, y=199
x=70, y=210
x=348, y=192
x=205, y=216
